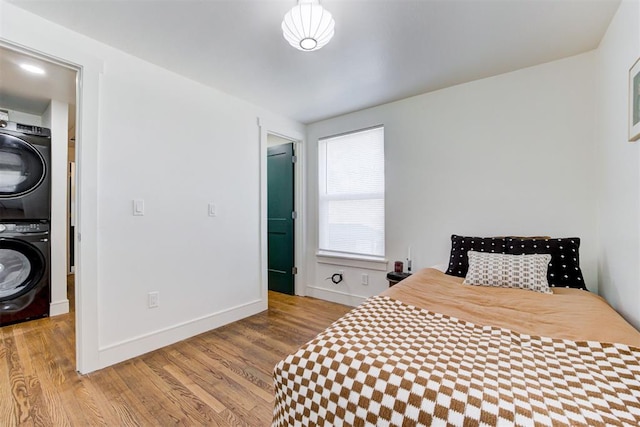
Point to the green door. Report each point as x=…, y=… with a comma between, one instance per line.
x=280, y=207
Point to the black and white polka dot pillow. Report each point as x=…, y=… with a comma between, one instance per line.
x=564, y=267
x=509, y=271
x=460, y=245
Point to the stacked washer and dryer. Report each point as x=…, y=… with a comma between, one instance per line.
x=25, y=214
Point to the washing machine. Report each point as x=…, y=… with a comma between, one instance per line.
x=25, y=290
x=25, y=178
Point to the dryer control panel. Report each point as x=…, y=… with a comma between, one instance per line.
x=26, y=129
x=23, y=227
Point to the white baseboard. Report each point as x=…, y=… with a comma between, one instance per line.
x=59, y=307
x=118, y=352
x=335, y=296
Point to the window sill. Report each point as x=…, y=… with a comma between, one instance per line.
x=357, y=261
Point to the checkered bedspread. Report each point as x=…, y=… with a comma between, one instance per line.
x=389, y=363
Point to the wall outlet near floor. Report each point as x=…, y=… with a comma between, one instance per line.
x=153, y=299
x=365, y=279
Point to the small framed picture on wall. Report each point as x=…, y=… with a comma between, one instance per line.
x=634, y=101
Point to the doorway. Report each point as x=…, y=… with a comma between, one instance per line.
x=274, y=134
x=281, y=215
x=47, y=99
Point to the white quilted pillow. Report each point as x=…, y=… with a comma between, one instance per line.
x=509, y=271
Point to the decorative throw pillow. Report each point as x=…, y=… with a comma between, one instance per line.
x=460, y=245
x=509, y=271
x=564, y=268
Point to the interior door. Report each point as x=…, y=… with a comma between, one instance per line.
x=280, y=208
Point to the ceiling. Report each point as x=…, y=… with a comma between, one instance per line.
x=383, y=50
x=32, y=93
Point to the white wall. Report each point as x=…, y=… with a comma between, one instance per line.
x=619, y=186
x=508, y=155
x=56, y=117
x=147, y=133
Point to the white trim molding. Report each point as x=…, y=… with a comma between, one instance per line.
x=356, y=261
x=135, y=346
x=57, y=308
x=335, y=296
x=297, y=137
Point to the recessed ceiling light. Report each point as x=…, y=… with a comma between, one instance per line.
x=32, y=68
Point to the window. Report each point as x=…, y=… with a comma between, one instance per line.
x=351, y=193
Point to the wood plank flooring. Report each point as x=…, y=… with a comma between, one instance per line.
x=220, y=378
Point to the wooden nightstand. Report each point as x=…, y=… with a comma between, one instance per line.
x=394, y=278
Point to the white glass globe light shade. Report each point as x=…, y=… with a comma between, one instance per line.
x=308, y=26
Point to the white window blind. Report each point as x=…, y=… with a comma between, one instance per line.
x=351, y=193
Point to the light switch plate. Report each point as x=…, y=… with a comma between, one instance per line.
x=212, y=209
x=153, y=299
x=138, y=207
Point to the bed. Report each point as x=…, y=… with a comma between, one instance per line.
x=434, y=350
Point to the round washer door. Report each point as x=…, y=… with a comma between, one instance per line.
x=22, y=168
x=21, y=268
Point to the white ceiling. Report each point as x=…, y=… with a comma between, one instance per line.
x=383, y=50
x=32, y=93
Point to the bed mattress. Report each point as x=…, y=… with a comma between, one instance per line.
x=431, y=350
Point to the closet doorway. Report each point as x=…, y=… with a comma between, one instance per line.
x=281, y=215
x=278, y=144
x=36, y=90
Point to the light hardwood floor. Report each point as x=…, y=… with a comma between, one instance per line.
x=222, y=377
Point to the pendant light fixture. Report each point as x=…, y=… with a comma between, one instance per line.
x=308, y=26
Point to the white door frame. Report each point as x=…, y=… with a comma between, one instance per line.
x=300, y=236
x=89, y=69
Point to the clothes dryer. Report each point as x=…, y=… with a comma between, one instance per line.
x=25, y=178
x=25, y=291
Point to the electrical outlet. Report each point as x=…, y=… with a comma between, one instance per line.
x=153, y=299
x=365, y=279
